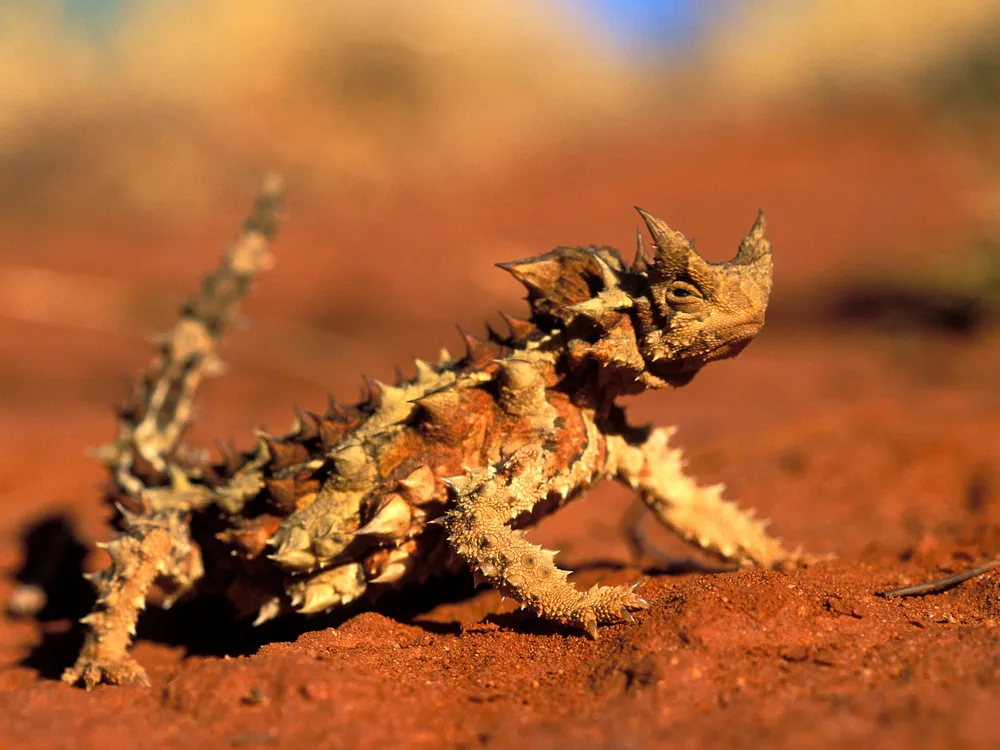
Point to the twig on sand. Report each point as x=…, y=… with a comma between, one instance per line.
x=941, y=584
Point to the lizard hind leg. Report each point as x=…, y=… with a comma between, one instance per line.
x=151, y=548
x=479, y=531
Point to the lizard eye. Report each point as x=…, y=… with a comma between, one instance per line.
x=683, y=292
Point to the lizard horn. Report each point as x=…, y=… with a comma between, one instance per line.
x=755, y=246
x=666, y=240
x=672, y=251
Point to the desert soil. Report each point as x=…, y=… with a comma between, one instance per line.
x=879, y=446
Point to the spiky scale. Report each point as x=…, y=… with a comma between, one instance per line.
x=520, y=330
x=282, y=492
x=478, y=353
x=336, y=411
x=295, y=559
x=392, y=518
x=439, y=406
x=268, y=611
x=640, y=264
x=306, y=426
x=371, y=393
x=285, y=454
x=537, y=274
x=350, y=461
x=425, y=371
x=419, y=485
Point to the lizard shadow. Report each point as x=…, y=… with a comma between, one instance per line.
x=50, y=589
x=54, y=559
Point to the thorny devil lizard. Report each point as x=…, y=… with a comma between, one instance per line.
x=439, y=471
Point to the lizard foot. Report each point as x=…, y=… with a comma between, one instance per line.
x=91, y=672
x=606, y=605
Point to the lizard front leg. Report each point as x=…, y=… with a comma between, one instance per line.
x=479, y=531
x=699, y=515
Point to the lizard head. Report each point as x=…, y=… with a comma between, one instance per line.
x=657, y=322
x=694, y=312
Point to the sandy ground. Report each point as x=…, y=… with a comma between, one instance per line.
x=880, y=447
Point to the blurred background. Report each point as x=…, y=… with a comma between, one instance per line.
x=423, y=141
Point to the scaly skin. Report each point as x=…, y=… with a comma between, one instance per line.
x=443, y=469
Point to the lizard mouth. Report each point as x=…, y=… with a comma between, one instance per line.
x=681, y=369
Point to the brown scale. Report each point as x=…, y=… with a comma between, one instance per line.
x=248, y=536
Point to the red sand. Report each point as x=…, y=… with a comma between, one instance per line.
x=882, y=450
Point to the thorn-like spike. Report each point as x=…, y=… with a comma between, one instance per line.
x=663, y=236
x=458, y=484
x=419, y=485
x=445, y=358
x=350, y=461
x=294, y=537
x=518, y=374
x=371, y=392
x=590, y=624
x=641, y=261
x=392, y=518
x=538, y=275
x=477, y=351
x=318, y=598
x=391, y=573
x=425, y=371
x=305, y=426
x=336, y=411
x=126, y=514
x=390, y=394
x=593, y=308
x=330, y=432
x=282, y=492
x=268, y=611
x=672, y=250
x=228, y=456
x=755, y=245
x=282, y=454
x=493, y=335
x=755, y=250
x=520, y=330
x=608, y=277
x=294, y=559
x=440, y=405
